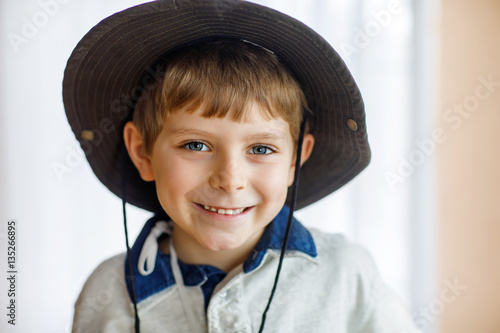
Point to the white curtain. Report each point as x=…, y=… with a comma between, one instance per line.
x=68, y=222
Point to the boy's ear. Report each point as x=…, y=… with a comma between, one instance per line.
x=135, y=147
x=307, y=148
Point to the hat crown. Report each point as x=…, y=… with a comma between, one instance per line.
x=104, y=74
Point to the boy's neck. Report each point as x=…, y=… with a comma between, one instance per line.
x=190, y=252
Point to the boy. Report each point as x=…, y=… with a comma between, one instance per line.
x=209, y=109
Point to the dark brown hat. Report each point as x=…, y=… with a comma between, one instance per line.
x=104, y=73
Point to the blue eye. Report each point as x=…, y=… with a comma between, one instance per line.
x=261, y=150
x=196, y=146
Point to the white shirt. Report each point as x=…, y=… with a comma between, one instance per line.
x=337, y=290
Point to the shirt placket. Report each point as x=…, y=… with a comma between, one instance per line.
x=226, y=311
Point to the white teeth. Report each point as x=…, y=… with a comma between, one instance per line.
x=224, y=211
x=206, y=207
x=210, y=209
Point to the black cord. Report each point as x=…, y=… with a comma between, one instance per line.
x=289, y=223
x=123, y=166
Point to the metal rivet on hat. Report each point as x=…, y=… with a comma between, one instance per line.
x=87, y=135
x=352, y=125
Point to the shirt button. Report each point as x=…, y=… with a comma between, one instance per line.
x=223, y=294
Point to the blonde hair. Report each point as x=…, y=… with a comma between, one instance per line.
x=223, y=77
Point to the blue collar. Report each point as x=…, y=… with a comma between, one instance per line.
x=162, y=277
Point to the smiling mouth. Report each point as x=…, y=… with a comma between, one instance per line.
x=224, y=211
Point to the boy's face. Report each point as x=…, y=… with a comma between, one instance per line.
x=221, y=181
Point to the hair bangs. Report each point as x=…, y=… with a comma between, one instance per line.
x=222, y=79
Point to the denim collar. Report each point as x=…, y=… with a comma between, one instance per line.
x=162, y=277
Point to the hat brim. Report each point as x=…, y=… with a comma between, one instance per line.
x=105, y=70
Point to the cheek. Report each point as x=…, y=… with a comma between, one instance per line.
x=175, y=177
x=291, y=176
x=272, y=182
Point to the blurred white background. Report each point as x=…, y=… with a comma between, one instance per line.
x=68, y=222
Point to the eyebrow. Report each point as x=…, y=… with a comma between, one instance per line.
x=190, y=131
x=272, y=134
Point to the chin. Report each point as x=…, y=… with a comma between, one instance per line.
x=221, y=244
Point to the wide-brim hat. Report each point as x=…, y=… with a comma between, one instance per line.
x=104, y=74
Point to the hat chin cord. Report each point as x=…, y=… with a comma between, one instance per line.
x=295, y=187
x=130, y=277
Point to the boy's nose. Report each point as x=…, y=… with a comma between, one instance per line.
x=228, y=177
